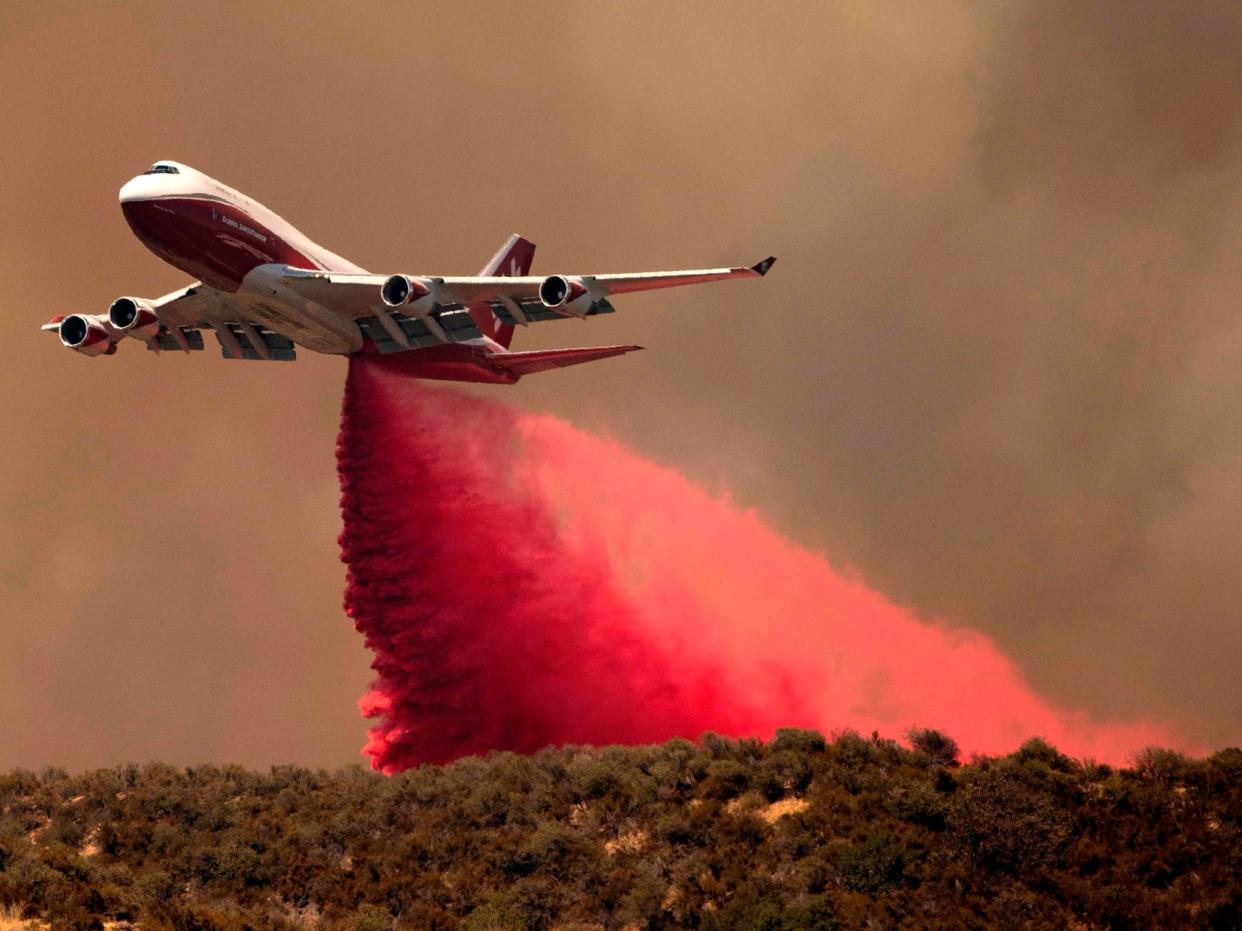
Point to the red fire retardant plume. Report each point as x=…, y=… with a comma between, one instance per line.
x=524, y=584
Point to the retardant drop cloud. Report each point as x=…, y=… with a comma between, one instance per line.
x=522, y=583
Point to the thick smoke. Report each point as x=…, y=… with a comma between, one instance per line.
x=996, y=369
x=523, y=584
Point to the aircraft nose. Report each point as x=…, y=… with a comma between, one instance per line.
x=132, y=190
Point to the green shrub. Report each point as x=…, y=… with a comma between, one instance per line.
x=938, y=748
x=795, y=740
x=815, y=913
x=591, y=777
x=919, y=803
x=1000, y=823
x=726, y=779
x=370, y=917
x=1039, y=751
x=1162, y=767
x=872, y=866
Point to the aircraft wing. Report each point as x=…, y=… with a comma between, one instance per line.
x=202, y=308
x=183, y=307
x=185, y=313
x=514, y=299
x=468, y=290
x=180, y=317
x=188, y=307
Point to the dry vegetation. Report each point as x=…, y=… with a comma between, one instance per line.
x=801, y=833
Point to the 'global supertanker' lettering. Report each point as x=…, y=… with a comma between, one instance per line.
x=237, y=225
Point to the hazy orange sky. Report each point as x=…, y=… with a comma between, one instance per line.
x=995, y=371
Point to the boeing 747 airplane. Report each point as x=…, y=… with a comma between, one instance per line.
x=263, y=289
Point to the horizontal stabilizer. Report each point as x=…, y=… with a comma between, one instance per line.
x=527, y=363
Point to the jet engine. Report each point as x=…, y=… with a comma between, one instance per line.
x=411, y=295
x=133, y=316
x=86, y=334
x=568, y=296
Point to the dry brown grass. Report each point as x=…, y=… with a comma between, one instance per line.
x=11, y=920
x=44, y=823
x=753, y=802
x=90, y=844
x=633, y=842
x=786, y=806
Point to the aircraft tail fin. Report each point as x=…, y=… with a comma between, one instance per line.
x=528, y=363
x=512, y=260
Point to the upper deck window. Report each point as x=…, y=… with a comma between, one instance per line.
x=158, y=169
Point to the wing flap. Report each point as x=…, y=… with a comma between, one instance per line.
x=457, y=326
x=167, y=339
x=535, y=311
x=244, y=340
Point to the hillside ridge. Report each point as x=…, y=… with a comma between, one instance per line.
x=801, y=832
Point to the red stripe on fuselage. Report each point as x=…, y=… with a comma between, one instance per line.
x=216, y=242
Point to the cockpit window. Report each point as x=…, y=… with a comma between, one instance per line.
x=158, y=169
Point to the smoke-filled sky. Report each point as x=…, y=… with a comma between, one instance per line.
x=994, y=373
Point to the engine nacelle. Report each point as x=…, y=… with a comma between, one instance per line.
x=410, y=295
x=569, y=296
x=133, y=316
x=86, y=334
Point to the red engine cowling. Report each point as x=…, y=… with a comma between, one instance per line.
x=133, y=316
x=86, y=334
x=568, y=296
